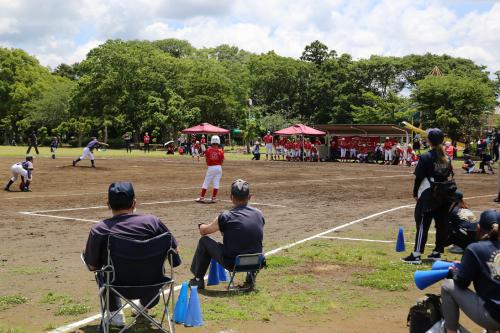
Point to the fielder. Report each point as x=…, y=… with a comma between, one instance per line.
x=53, y=147
x=25, y=170
x=88, y=151
x=214, y=157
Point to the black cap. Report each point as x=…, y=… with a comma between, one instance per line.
x=435, y=136
x=121, y=195
x=487, y=219
x=458, y=196
x=240, y=189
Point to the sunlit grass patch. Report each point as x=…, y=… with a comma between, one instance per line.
x=10, y=300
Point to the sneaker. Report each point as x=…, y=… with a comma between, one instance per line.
x=200, y=200
x=411, y=259
x=118, y=320
x=200, y=283
x=456, y=249
x=434, y=256
x=135, y=313
x=7, y=189
x=74, y=163
x=214, y=200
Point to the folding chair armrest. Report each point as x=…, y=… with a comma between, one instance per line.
x=82, y=258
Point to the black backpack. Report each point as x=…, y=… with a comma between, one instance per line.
x=424, y=314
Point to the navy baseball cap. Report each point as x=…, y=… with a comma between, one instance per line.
x=487, y=219
x=435, y=136
x=121, y=195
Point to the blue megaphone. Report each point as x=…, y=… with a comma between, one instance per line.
x=424, y=279
x=194, y=317
x=182, y=304
x=440, y=264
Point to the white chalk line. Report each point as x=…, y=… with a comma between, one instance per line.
x=365, y=240
x=85, y=321
x=42, y=213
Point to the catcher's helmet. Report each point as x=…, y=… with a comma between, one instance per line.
x=29, y=158
x=215, y=140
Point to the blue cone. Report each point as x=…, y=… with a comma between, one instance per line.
x=400, y=242
x=182, y=304
x=424, y=279
x=222, y=273
x=193, y=316
x=440, y=264
x=213, y=274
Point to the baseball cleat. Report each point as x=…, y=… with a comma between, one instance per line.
x=200, y=200
x=74, y=163
x=7, y=189
x=214, y=200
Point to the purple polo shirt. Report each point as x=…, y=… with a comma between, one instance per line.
x=135, y=226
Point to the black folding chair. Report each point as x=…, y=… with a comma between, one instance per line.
x=134, y=268
x=250, y=264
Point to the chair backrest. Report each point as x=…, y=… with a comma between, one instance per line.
x=139, y=262
x=248, y=262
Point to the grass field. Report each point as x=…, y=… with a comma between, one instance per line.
x=349, y=279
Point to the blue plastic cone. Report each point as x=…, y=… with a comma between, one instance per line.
x=424, y=279
x=222, y=273
x=400, y=242
x=194, y=316
x=440, y=264
x=182, y=304
x=213, y=274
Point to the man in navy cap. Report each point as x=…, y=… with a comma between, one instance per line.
x=121, y=201
x=242, y=229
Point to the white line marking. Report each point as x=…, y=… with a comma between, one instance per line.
x=365, y=240
x=59, y=217
x=259, y=204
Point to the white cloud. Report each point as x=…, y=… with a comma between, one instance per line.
x=64, y=31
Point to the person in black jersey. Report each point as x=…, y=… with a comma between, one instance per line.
x=433, y=168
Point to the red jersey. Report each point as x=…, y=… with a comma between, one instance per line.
x=197, y=146
x=288, y=145
x=203, y=141
x=314, y=150
x=387, y=145
x=307, y=145
x=343, y=144
x=268, y=138
x=146, y=139
x=282, y=142
x=317, y=142
x=449, y=151
x=409, y=150
x=214, y=156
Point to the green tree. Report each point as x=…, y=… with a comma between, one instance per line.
x=377, y=110
x=455, y=103
x=317, y=53
x=175, y=47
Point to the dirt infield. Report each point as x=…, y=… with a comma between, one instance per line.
x=43, y=232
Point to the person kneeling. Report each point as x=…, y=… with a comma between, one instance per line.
x=242, y=229
x=480, y=265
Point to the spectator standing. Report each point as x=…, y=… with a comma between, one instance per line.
x=32, y=143
x=146, y=140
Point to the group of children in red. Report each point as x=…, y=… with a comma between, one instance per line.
x=289, y=149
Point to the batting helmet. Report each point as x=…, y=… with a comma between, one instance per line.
x=215, y=140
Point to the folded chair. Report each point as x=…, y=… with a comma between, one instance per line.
x=250, y=264
x=135, y=267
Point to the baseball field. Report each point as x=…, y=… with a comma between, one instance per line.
x=329, y=235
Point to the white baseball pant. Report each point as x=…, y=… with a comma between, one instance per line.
x=18, y=170
x=87, y=152
x=214, y=174
x=388, y=155
x=269, y=148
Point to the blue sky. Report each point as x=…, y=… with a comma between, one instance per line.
x=65, y=30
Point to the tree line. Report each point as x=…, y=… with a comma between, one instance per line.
x=166, y=85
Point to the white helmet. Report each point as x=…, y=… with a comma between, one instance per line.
x=215, y=140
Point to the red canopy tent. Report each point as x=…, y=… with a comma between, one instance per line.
x=205, y=128
x=299, y=129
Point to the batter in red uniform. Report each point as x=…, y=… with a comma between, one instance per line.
x=268, y=140
x=214, y=156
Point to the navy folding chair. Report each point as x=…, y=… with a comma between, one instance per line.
x=135, y=268
x=250, y=264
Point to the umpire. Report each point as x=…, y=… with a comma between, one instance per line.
x=431, y=176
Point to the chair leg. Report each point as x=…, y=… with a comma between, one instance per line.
x=229, y=286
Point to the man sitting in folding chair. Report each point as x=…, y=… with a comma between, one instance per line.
x=131, y=240
x=242, y=228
